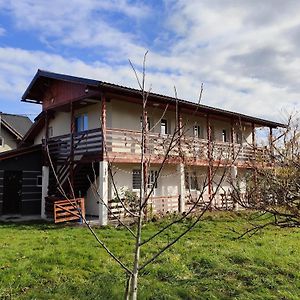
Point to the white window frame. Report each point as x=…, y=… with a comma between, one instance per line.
x=224, y=135
x=198, y=132
x=164, y=124
x=84, y=122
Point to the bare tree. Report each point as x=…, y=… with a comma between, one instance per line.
x=220, y=161
x=273, y=184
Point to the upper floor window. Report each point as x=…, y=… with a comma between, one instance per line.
x=164, y=126
x=1, y=141
x=224, y=136
x=198, y=133
x=148, y=123
x=238, y=138
x=81, y=122
x=50, y=131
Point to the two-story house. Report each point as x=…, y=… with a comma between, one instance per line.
x=88, y=125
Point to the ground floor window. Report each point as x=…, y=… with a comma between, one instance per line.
x=191, y=181
x=136, y=179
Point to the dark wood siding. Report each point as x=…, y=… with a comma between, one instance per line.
x=1, y=189
x=31, y=166
x=61, y=92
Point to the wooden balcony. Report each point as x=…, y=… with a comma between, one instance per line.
x=79, y=146
x=124, y=146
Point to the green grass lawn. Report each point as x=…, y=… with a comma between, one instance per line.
x=46, y=261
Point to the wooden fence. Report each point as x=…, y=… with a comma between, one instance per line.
x=68, y=210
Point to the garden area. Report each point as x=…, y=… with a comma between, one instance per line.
x=47, y=261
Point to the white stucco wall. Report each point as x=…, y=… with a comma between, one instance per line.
x=91, y=201
x=94, y=114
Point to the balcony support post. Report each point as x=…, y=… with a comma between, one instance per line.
x=234, y=173
x=45, y=183
x=181, y=188
x=209, y=157
x=103, y=193
x=232, y=137
x=103, y=123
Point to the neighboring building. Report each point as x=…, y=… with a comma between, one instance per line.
x=87, y=124
x=12, y=129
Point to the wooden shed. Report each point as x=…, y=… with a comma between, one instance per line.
x=21, y=181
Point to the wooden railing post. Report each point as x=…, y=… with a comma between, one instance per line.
x=232, y=138
x=209, y=156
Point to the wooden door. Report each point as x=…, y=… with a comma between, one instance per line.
x=12, y=192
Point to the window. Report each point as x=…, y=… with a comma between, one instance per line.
x=224, y=135
x=238, y=137
x=164, y=126
x=148, y=123
x=81, y=122
x=50, y=131
x=198, y=132
x=136, y=179
x=39, y=180
x=191, y=181
x=1, y=141
x=151, y=179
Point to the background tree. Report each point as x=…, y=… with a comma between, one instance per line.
x=273, y=184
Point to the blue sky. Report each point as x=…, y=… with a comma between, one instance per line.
x=245, y=52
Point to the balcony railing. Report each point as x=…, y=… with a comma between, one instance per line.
x=78, y=144
x=123, y=143
x=128, y=142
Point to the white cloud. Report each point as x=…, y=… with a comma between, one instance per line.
x=80, y=23
x=246, y=52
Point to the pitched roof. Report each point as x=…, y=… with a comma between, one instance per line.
x=33, y=95
x=18, y=125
